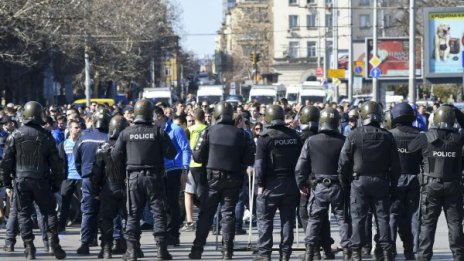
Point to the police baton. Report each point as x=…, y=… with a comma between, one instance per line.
x=217, y=225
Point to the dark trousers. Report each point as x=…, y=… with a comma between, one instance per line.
x=90, y=210
x=403, y=212
x=27, y=192
x=145, y=188
x=240, y=207
x=110, y=209
x=68, y=188
x=275, y=197
x=436, y=196
x=323, y=197
x=223, y=188
x=174, y=220
x=370, y=191
x=199, y=177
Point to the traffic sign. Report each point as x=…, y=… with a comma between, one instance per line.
x=375, y=73
x=358, y=70
x=375, y=61
x=336, y=73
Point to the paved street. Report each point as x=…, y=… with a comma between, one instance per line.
x=70, y=242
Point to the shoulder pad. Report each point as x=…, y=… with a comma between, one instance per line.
x=432, y=136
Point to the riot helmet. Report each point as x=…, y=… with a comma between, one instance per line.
x=330, y=119
x=274, y=115
x=402, y=113
x=387, y=120
x=370, y=112
x=101, y=118
x=143, y=111
x=33, y=112
x=444, y=118
x=310, y=115
x=223, y=112
x=117, y=124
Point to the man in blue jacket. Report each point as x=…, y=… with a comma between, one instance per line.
x=84, y=155
x=174, y=169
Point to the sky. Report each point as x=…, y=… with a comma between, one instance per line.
x=200, y=21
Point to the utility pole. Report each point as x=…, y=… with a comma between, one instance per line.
x=375, y=90
x=350, y=53
x=412, y=52
x=87, y=72
x=335, y=43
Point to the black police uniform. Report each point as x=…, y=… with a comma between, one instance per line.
x=441, y=188
x=108, y=184
x=32, y=155
x=369, y=163
x=405, y=202
x=143, y=147
x=225, y=150
x=317, y=158
x=277, y=152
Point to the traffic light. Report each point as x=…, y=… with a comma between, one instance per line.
x=253, y=57
x=258, y=57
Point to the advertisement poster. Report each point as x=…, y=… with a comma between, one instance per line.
x=445, y=42
x=394, y=56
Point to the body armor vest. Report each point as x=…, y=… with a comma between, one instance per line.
x=371, y=150
x=226, y=144
x=442, y=158
x=284, y=151
x=144, y=148
x=31, y=146
x=115, y=172
x=325, y=151
x=410, y=162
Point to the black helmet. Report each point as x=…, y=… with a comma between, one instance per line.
x=310, y=115
x=274, y=115
x=370, y=112
x=101, y=118
x=33, y=113
x=387, y=120
x=402, y=113
x=330, y=119
x=143, y=111
x=117, y=124
x=444, y=118
x=223, y=111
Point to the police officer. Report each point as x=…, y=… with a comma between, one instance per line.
x=441, y=181
x=309, y=122
x=32, y=156
x=277, y=152
x=142, y=148
x=84, y=154
x=317, y=159
x=108, y=185
x=225, y=150
x=369, y=163
x=405, y=202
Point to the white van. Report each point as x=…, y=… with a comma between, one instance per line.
x=160, y=94
x=210, y=93
x=312, y=91
x=292, y=93
x=267, y=94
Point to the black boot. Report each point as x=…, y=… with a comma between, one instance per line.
x=106, y=251
x=8, y=247
x=55, y=247
x=388, y=255
x=227, y=250
x=378, y=253
x=356, y=254
x=47, y=247
x=130, y=251
x=83, y=249
x=409, y=255
x=196, y=252
x=163, y=253
x=328, y=253
x=283, y=256
x=119, y=246
x=29, y=250
x=317, y=254
x=309, y=253
x=346, y=254
x=138, y=250
x=366, y=252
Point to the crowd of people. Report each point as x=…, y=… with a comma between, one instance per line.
x=162, y=160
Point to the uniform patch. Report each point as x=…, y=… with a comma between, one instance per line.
x=142, y=136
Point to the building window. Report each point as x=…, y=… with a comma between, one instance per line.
x=364, y=2
x=388, y=20
x=311, y=49
x=293, y=49
x=310, y=1
x=311, y=21
x=328, y=21
x=329, y=46
x=364, y=21
x=293, y=21
x=328, y=2
x=292, y=2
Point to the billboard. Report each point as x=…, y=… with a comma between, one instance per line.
x=444, y=42
x=393, y=53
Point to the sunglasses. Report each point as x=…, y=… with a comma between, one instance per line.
x=257, y=129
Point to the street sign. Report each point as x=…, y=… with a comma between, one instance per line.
x=336, y=73
x=375, y=73
x=358, y=70
x=375, y=61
